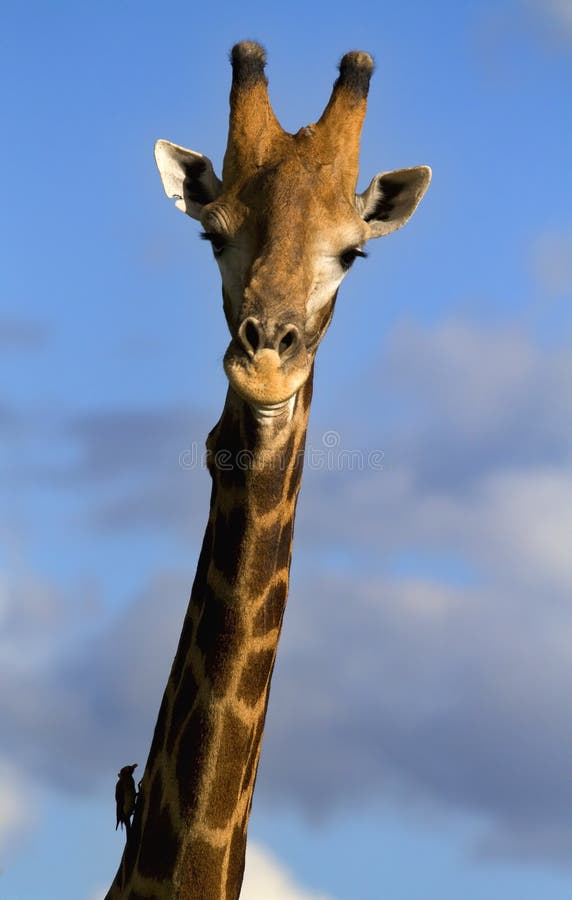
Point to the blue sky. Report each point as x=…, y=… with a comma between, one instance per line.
x=419, y=738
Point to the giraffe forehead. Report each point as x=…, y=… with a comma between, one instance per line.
x=295, y=185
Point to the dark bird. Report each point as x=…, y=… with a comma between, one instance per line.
x=125, y=795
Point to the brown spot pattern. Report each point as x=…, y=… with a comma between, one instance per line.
x=194, y=745
x=255, y=676
x=159, y=843
x=270, y=614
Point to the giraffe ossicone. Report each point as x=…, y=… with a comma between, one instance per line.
x=285, y=225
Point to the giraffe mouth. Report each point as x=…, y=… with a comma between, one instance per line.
x=263, y=379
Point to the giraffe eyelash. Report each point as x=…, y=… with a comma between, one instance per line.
x=217, y=241
x=348, y=257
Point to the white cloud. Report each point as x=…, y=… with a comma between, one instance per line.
x=17, y=809
x=460, y=386
x=446, y=683
x=523, y=524
x=98, y=698
x=501, y=28
x=414, y=690
x=31, y=610
x=469, y=374
x=265, y=878
x=478, y=458
x=556, y=15
x=552, y=260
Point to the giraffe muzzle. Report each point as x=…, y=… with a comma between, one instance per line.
x=266, y=363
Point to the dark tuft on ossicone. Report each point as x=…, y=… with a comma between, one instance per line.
x=356, y=69
x=248, y=60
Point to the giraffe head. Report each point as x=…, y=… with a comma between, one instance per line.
x=285, y=223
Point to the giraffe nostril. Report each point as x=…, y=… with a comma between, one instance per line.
x=250, y=335
x=288, y=341
x=253, y=337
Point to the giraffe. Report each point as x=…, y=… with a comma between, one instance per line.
x=285, y=225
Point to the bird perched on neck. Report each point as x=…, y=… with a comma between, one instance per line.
x=125, y=796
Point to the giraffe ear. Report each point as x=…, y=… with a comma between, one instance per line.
x=187, y=176
x=392, y=198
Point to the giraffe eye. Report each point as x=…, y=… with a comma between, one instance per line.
x=348, y=256
x=217, y=241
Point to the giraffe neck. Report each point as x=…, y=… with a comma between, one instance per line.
x=188, y=838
